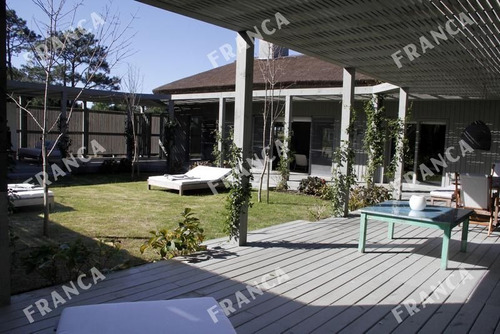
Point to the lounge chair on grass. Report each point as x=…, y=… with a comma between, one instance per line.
x=201, y=177
x=25, y=194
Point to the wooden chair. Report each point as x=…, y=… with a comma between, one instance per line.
x=447, y=194
x=476, y=194
x=301, y=162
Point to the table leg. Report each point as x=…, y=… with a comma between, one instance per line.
x=465, y=232
x=390, y=234
x=362, y=233
x=445, y=248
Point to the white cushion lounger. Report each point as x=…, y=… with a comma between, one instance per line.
x=201, y=177
x=25, y=194
x=184, y=316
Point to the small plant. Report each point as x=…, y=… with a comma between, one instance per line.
x=113, y=166
x=314, y=185
x=362, y=196
x=184, y=240
x=317, y=212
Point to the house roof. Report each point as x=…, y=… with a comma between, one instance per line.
x=293, y=72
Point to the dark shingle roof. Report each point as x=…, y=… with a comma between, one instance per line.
x=298, y=72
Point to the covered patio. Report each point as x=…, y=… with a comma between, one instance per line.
x=314, y=280
x=326, y=284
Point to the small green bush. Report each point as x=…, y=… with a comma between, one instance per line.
x=362, y=196
x=316, y=186
x=184, y=240
x=63, y=262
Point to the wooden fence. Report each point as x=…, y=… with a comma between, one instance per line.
x=106, y=127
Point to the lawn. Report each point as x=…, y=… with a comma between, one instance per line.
x=93, y=207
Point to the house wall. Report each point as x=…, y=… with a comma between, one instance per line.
x=457, y=115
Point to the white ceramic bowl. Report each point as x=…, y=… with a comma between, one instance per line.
x=417, y=202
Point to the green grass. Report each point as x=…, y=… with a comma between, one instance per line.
x=94, y=207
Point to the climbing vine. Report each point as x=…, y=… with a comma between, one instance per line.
x=240, y=192
x=343, y=180
x=286, y=158
x=375, y=139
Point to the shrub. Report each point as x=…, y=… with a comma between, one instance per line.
x=316, y=186
x=362, y=196
x=63, y=262
x=184, y=240
x=111, y=166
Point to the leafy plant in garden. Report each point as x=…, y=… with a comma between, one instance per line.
x=317, y=211
x=183, y=240
x=362, y=196
x=59, y=263
x=315, y=186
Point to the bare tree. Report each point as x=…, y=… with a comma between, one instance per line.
x=133, y=85
x=272, y=69
x=109, y=33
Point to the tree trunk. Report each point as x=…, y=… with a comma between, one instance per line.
x=259, y=193
x=4, y=219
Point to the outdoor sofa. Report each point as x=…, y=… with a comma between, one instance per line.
x=201, y=177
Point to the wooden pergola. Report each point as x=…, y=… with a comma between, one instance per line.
x=427, y=47
x=434, y=47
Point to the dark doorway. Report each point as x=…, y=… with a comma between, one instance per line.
x=301, y=142
x=426, y=141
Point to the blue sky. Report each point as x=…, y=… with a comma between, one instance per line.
x=168, y=46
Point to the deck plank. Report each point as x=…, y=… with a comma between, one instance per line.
x=331, y=287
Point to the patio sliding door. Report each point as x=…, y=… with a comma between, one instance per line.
x=322, y=140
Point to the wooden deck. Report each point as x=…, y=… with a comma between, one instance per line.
x=329, y=287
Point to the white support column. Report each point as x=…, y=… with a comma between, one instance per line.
x=222, y=129
x=243, y=113
x=398, y=176
x=347, y=104
x=288, y=121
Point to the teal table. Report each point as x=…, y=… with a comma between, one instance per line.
x=438, y=217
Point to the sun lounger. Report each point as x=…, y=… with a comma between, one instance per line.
x=25, y=194
x=201, y=177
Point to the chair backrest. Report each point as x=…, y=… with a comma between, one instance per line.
x=301, y=160
x=495, y=169
x=476, y=191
